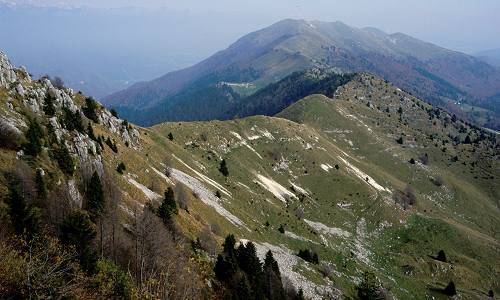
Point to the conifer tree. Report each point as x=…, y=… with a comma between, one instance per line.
x=223, y=168
x=78, y=230
x=33, y=145
x=450, y=289
x=90, y=109
x=168, y=206
x=64, y=159
x=95, y=197
x=273, y=287
x=48, y=106
x=441, y=256
x=25, y=219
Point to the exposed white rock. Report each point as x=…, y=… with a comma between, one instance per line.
x=163, y=176
x=274, y=188
x=206, y=196
x=149, y=193
x=326, y=167
x=244, y=143
x=7, y=73
x=299, y=189
x=298, y=237
x=363, y=176
x=206, y=178
x=74, y=194
x=328, y=230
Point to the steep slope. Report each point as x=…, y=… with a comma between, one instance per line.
x=326, y=174
x=338, y=182
x=435, y=74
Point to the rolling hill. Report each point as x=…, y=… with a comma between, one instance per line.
x=455, y=81
x=369, y=178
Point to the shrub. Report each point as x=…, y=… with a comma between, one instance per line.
x=438, y=181
x=57, y=82
x=120, y=168
x=170, y=136
x=9, y=136
x=111, y=145
x=309, y=256
x=400, y=140
x=182, y=196
x=90, y=109
x=281, y=229
x=114, y=113
x=424, y=159
x=369, y=288
x=412, y=161
x=112, y=283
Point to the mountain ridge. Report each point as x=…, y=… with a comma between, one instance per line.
x=440, y=76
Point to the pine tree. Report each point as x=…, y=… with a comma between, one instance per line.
x=170, y=136
x=95, y=197
x=467, y=140
x=168, y=206
x=64, y=159
x=78, y=230
x=72, y=120
x=48, y=106
x=223, y=168
x=441, y=256
x=25, y=219
x=90, y=109
x=251, y=265
x=120, y=168
x=228, y=246
x=273, y=287
x=33, y=145
x=450, y=289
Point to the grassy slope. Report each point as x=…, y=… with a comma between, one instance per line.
x=461, y=217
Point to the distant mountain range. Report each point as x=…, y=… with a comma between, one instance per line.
x=490, y=56
x=442, y=77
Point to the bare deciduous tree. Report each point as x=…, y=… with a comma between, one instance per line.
x=182, y=195
x=9, y=135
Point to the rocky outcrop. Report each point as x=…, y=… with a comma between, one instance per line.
x=7, y=73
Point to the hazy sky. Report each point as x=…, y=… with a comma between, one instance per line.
x=466, y=25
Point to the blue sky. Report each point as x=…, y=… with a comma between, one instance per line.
x=466, y=25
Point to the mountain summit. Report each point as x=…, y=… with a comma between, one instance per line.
x=438, y=75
